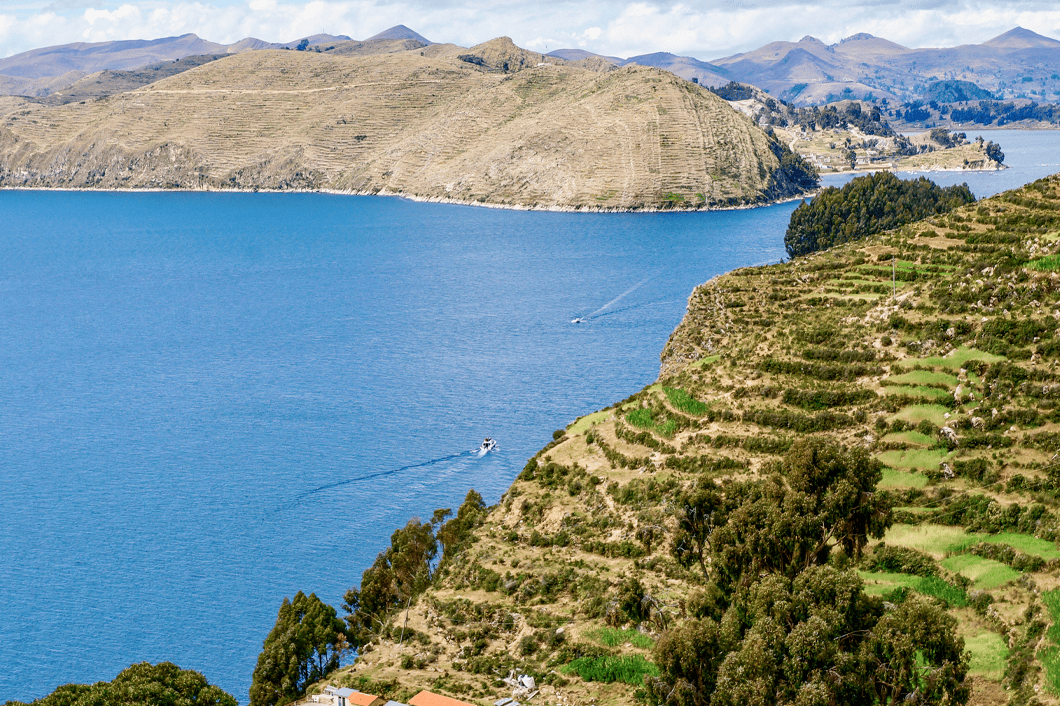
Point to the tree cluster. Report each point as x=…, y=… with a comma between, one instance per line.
x=779, y=621
x=865, y=206
x=794, y=172
x=406, y=568
x=303, y=647
x=143, y=684
x=996, y=112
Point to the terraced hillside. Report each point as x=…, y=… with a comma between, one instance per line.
x=493, y=124
x=929, y=354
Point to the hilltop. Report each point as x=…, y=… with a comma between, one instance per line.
x=932, y=349
x=493, y=124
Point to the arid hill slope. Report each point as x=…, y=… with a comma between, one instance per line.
x=488, y=124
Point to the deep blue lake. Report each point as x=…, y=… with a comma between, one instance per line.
x=211, y=401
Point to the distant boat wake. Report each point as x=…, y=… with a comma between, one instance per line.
x=601, y=311
x=382, y=474
x=634, y=306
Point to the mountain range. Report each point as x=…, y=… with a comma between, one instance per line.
x=41, y=72
x=1017, y=64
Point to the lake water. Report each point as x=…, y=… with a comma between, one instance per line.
x=211, y=401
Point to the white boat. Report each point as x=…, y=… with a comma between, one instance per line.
x=488, y=445
x=578, y=320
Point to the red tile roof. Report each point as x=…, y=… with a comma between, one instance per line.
x=359, y=698
x=426, y=698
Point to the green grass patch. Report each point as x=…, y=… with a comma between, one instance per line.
x=932, y=394
x=1049, y=263
x=931, y=539
x=985, y=574
x=643, y=419
x=613, y=637
x=629, y=669
x=893, y=478
x=705, y=361
x=934, y=413
x=910, y=438
x=954, y=360
x=923, y=377
x=922, y=459
x=684, y=402
x=582, y=424
x=989, y=651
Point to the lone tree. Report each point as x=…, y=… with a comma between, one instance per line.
x=304, y=646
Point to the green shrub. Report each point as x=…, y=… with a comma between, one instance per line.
x=900, y=560
x=684, y=402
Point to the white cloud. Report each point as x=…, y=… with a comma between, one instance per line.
x=614, y=27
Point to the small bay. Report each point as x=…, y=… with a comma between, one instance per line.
x=211, y=401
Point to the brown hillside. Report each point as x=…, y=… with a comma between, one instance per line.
x=425, y=123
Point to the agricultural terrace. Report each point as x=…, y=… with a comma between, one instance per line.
x=587, y=573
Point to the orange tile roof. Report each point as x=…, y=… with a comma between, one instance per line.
x=361, y=699
x=426, y=698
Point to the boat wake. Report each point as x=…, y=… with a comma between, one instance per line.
x=381, y=474
x=603, y=311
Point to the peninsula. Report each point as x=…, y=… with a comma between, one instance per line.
x=493, y=124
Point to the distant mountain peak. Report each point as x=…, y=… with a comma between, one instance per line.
x=860, y=36
x=400, y=32
x=1020, y=38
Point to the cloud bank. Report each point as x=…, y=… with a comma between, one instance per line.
x=614, y=27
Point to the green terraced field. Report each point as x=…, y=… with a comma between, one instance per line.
x=582, y=424
x=923, y=459
x=878, y=583
x=934, y=413
x=927, y=393
x=930, y=539
x=911, y=438
x=893, y=478
x=1024, y=543
x=988, y=652
x=955, y=360
x=985, y=574
x=923, y=377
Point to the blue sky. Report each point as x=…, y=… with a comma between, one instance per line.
x=705, y=30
